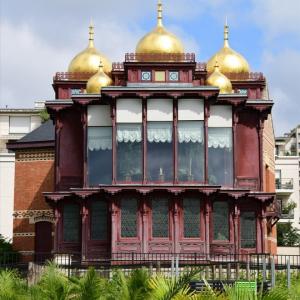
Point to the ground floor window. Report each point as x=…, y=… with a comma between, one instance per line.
x=71, y=222
x=98, y=214
x=160, y=218
x=191, y=217
x=129, y=217
x=220, y=221
x=248, y=229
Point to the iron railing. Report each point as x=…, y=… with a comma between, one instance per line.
x=284, y=183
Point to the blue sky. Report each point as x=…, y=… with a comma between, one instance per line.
x=40, y=37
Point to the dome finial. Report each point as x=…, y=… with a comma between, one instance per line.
x=226, y=33
x=91, y=34
x=159, y=13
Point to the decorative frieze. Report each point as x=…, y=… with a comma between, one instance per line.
x=35, y=155
x=34, y=216
x=24, y=234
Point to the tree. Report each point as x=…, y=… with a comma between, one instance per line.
x=287, y=235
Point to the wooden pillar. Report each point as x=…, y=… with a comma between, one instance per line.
x=57, y=234
x=207, y=213
x=234, y=148
x=84, y=229
x=236, y=216
x=144, y=132
x=206, y=116
x=176, y=230
x=260, y=142
x=85, y=156
x=114, y=224
x=175, y=139
x=114, y=145
x=263, y=228
x=58, y=128
x=145, y=225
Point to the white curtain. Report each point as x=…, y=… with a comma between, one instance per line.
x=190, y=132
x=129, y=133
x=99, y=138
x=220, y=138
x=159, y=132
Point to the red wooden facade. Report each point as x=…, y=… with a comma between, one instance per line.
x=249, y=111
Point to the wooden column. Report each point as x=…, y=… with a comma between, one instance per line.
x=175, y=139
x=114, y=223
x=236, y=216
x=260, y=142
x=58, y=128
x=144, y=132
x=176, y=230
x=145, y=225
x=263, y=228
x=114, y=146
x=84, y=229
x=85, y=154
x=207, y=213
x=57, y=216
x=234, y=148
x=206, y=116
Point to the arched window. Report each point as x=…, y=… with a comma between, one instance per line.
x=71, y=223
x=220, y=221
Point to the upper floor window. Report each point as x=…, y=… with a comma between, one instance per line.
x=220, y=155
x=129, y=140
x=146, y=76
x=160, y=140
x=173, y=76
x=248, y=229
x=190, y=140
x=19, y=124
x=71, y=222
x=99, y=145
x=220, y=221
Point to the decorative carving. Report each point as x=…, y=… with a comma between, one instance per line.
x=163, y=57
x=77, y=76
x=35, y=155
x=27, y=214
x=24, y=234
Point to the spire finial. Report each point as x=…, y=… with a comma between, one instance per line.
x=216, y=65
x=159, y=13
x=91, y=34
x=226, y=33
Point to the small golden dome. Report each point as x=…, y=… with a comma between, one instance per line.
x=220, y=80
x=230, y=61
x=89, y=59
x=159, y=40
x=97, y=81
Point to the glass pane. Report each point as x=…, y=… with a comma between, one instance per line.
x=248, y=229
x=99, y=155
x=129, y=152
x=129, y=218
x=159, y=151
x=99, y=220
x=190, y=151
x=71, y=222
x=191, y=217
x=160, y=218
x=220, y=158
x=220, y=221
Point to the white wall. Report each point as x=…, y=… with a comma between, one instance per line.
x=288, y=250
x=7, y=184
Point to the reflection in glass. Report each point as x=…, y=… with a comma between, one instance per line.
x=220, y=157
x=248, y=229
x=191, y=217
x=129, y=152
x=190, y=151
x=159, y=151
x=160, y=218
x=99, y=214
x=99, y=155
x=221, y=221
x=71, y=222
x=129, y=217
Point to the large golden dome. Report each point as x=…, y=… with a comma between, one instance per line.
x=230, y=61
x=159, y=40
x=220, y=80
x=89, y=59
x=97, y=81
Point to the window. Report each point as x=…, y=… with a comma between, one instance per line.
x=99, y=220
x=190, y=151
x=248, y=229
x=160, y=218
x=173, y=76
x=129, y=152
x=71, y=222
x=19, y=124
x=128, y=218
x=220, y=221
x=160, y=76
x=191, y=218
x=99, y=155
x=146, y=75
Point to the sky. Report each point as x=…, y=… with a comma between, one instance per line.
x=40, y=37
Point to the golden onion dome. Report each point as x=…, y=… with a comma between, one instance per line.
x=159, y=40
x=89, y=59
x=98, y=81
x=220, y=80
x=230, y=61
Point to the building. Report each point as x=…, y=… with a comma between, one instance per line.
x=287, y=161
x=14, y=124
x=161, y=154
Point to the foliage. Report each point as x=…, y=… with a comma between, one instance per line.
x=44, y=115
x=287, y=235
x=288, y=208
x=7, y=254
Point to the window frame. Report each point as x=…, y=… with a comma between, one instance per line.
x=256, y=229
x=63, y=225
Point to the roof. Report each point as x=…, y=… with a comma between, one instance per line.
x=42, y=136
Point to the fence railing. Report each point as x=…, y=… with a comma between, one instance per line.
x=284, y=184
